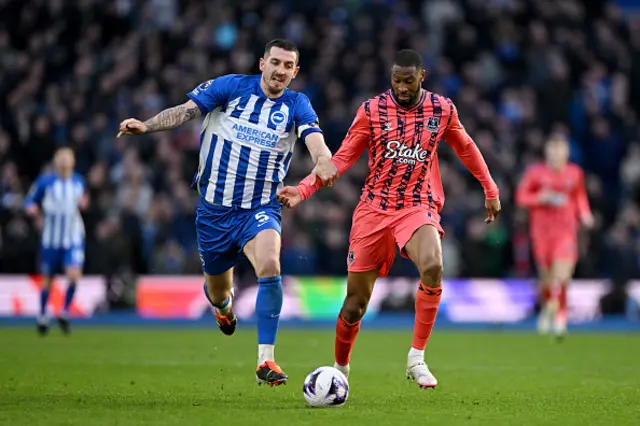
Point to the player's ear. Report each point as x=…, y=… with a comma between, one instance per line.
x=262, y=63
x=295, y=72
x=423, y=75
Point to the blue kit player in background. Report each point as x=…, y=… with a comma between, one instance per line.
x=60, y=196
x=248, y=134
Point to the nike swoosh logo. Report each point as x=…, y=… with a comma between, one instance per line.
x=274, y=315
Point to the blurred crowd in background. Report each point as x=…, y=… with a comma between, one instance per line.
x=517, y=70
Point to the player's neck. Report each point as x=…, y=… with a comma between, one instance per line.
x=64, y=175
x=557, y=167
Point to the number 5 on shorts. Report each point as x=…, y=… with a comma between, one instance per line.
x=262, y=218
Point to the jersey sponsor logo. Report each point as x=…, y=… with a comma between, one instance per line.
x=402, y=154
x=433, y=124
x=255, y=136
x=277, y=118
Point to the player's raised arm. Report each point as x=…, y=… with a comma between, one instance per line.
x=202, y=100
x=351, y=149
x=465, y=148
x=168, y=119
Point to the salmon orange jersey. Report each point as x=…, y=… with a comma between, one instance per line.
x=402, y=144
x=568, y=203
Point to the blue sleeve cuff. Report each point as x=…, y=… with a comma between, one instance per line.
x=201, y=106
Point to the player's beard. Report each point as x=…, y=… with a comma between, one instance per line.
x=276, y=84
x=407, y=102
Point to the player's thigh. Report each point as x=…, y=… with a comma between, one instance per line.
x=260, y=239
x=50, y=263
x=217, y=247
x=74, y=263
x=424, y=248
x=371, y=245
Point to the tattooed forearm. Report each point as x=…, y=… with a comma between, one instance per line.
x=173, y=117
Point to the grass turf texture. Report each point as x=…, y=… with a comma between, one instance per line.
x=101, y=376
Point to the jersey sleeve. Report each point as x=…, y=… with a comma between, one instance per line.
x=36, y=193
x=466, y=149
x=351, y=149
x=213, y=93
x=305, y=118
x=527, y=193
x=581, y=198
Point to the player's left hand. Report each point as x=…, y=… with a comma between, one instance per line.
x=289, y=196
x=492, y=208
x=326, y=171
x=588, y=221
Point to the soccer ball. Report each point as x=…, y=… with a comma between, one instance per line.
x=326, y=387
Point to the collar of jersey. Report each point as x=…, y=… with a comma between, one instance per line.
x=420, y=102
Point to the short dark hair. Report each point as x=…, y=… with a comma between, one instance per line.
x=283, y=44
x=408, y=58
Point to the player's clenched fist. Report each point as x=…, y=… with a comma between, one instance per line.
x=492, y=208
x=132, y=126
x=326, y=171
x=289, y=196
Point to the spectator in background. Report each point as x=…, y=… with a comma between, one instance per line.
x=516, y=69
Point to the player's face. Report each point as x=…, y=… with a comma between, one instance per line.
x=278, y=68
x=557, y=152
x=406, y=83
x=64, y=162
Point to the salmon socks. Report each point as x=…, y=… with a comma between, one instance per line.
x=346, y=334
x=427, y=303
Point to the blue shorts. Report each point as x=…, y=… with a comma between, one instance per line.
x=54, y=261
x=224, y=231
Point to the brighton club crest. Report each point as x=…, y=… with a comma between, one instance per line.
x=433, y=124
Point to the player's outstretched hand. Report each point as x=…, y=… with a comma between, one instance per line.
x=492, y=208
x=326, y=171
x=132, y=126
x=289, y=196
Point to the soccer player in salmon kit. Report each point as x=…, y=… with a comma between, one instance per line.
x=401, y=201
x=554, y=193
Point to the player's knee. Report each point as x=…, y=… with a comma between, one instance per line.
x=431, y=271
x=354, y=308
x=268, y=267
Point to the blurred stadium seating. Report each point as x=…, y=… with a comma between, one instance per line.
x=517, y=69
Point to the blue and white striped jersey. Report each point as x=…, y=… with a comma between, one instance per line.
x=247, y=139
x=59, y=199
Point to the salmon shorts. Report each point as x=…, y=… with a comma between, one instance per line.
x=375, y=234
x=560, y=248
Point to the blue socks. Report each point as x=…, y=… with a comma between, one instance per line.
x=44, y=298
x=268, y=306
x=68, y=297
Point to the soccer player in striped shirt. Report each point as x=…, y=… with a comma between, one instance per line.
x=250, y=127
x=401, y=201
x=59, y=196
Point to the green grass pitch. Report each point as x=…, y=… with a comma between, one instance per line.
x=137, y=376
